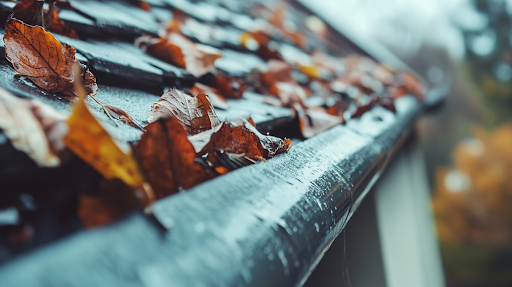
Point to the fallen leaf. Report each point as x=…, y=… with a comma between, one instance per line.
x=228, y=86
x=54, y=24
x=33, y=128
x=178, y=50
x=339, y=108
x=30, y=12
x=123, y=116
x=258, y=42
x=94, y=145
x=278, y=19
x=288, y=93
x=168, y=158
x=244, y=139
x=36, y=54
x=277, y=71
x=195, y=113
x=385, y=102
x=412, y=84
x=314, y=121
x=216, y=99
x=162, y=49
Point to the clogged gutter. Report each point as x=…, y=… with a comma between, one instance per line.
x=200, y=83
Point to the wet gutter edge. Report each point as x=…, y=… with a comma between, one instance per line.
x=264, y=225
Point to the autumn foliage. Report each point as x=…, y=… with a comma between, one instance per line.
x=183, y=143
x=36, y=54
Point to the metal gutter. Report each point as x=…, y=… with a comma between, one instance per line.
x=264, y=225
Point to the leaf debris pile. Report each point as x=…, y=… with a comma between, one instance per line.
x=184, y=143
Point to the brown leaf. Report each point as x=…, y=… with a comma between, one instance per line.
x=278, y=19
x=277, y=71
x=178, y=50
x=33, y=127
x=244, y=139
x=213, y=94
x=385, y=102
x=168, y=158
x=258, y=42
x=314, y=121
x=162, y=49
x=123, y=116
x=289, y=94
x=339, y=108
x=196, y=114
x=228, y=86
x=49, y=64
x=412, y=84
x=30, y=12
x=54, y=24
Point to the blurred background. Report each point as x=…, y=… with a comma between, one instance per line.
x=464, y=46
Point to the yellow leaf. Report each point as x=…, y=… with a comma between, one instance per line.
x=93, y=144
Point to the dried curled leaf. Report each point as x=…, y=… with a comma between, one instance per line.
x=33, y=127
x=385, y=102
x=178, y=50
x=196, y=114
x=123, y=116
x=314, y=121
x=168, y=158
x=93, y=144
x=244, y=139
x=36, y=54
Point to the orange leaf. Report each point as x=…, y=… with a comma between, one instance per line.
x=195, y=114
x=49, y=64
x=168, y=158
x=93, y=144
x=33, y=127
x=244, y=139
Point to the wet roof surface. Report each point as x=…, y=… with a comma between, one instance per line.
x=132, y=80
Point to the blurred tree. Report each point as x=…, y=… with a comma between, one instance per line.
x=489, y=54
x=472, y=203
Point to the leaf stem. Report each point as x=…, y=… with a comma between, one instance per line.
x=105, y=110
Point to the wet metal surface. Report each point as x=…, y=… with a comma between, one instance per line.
x=264, y=225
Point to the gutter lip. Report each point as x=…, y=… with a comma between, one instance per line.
x=267, y=224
